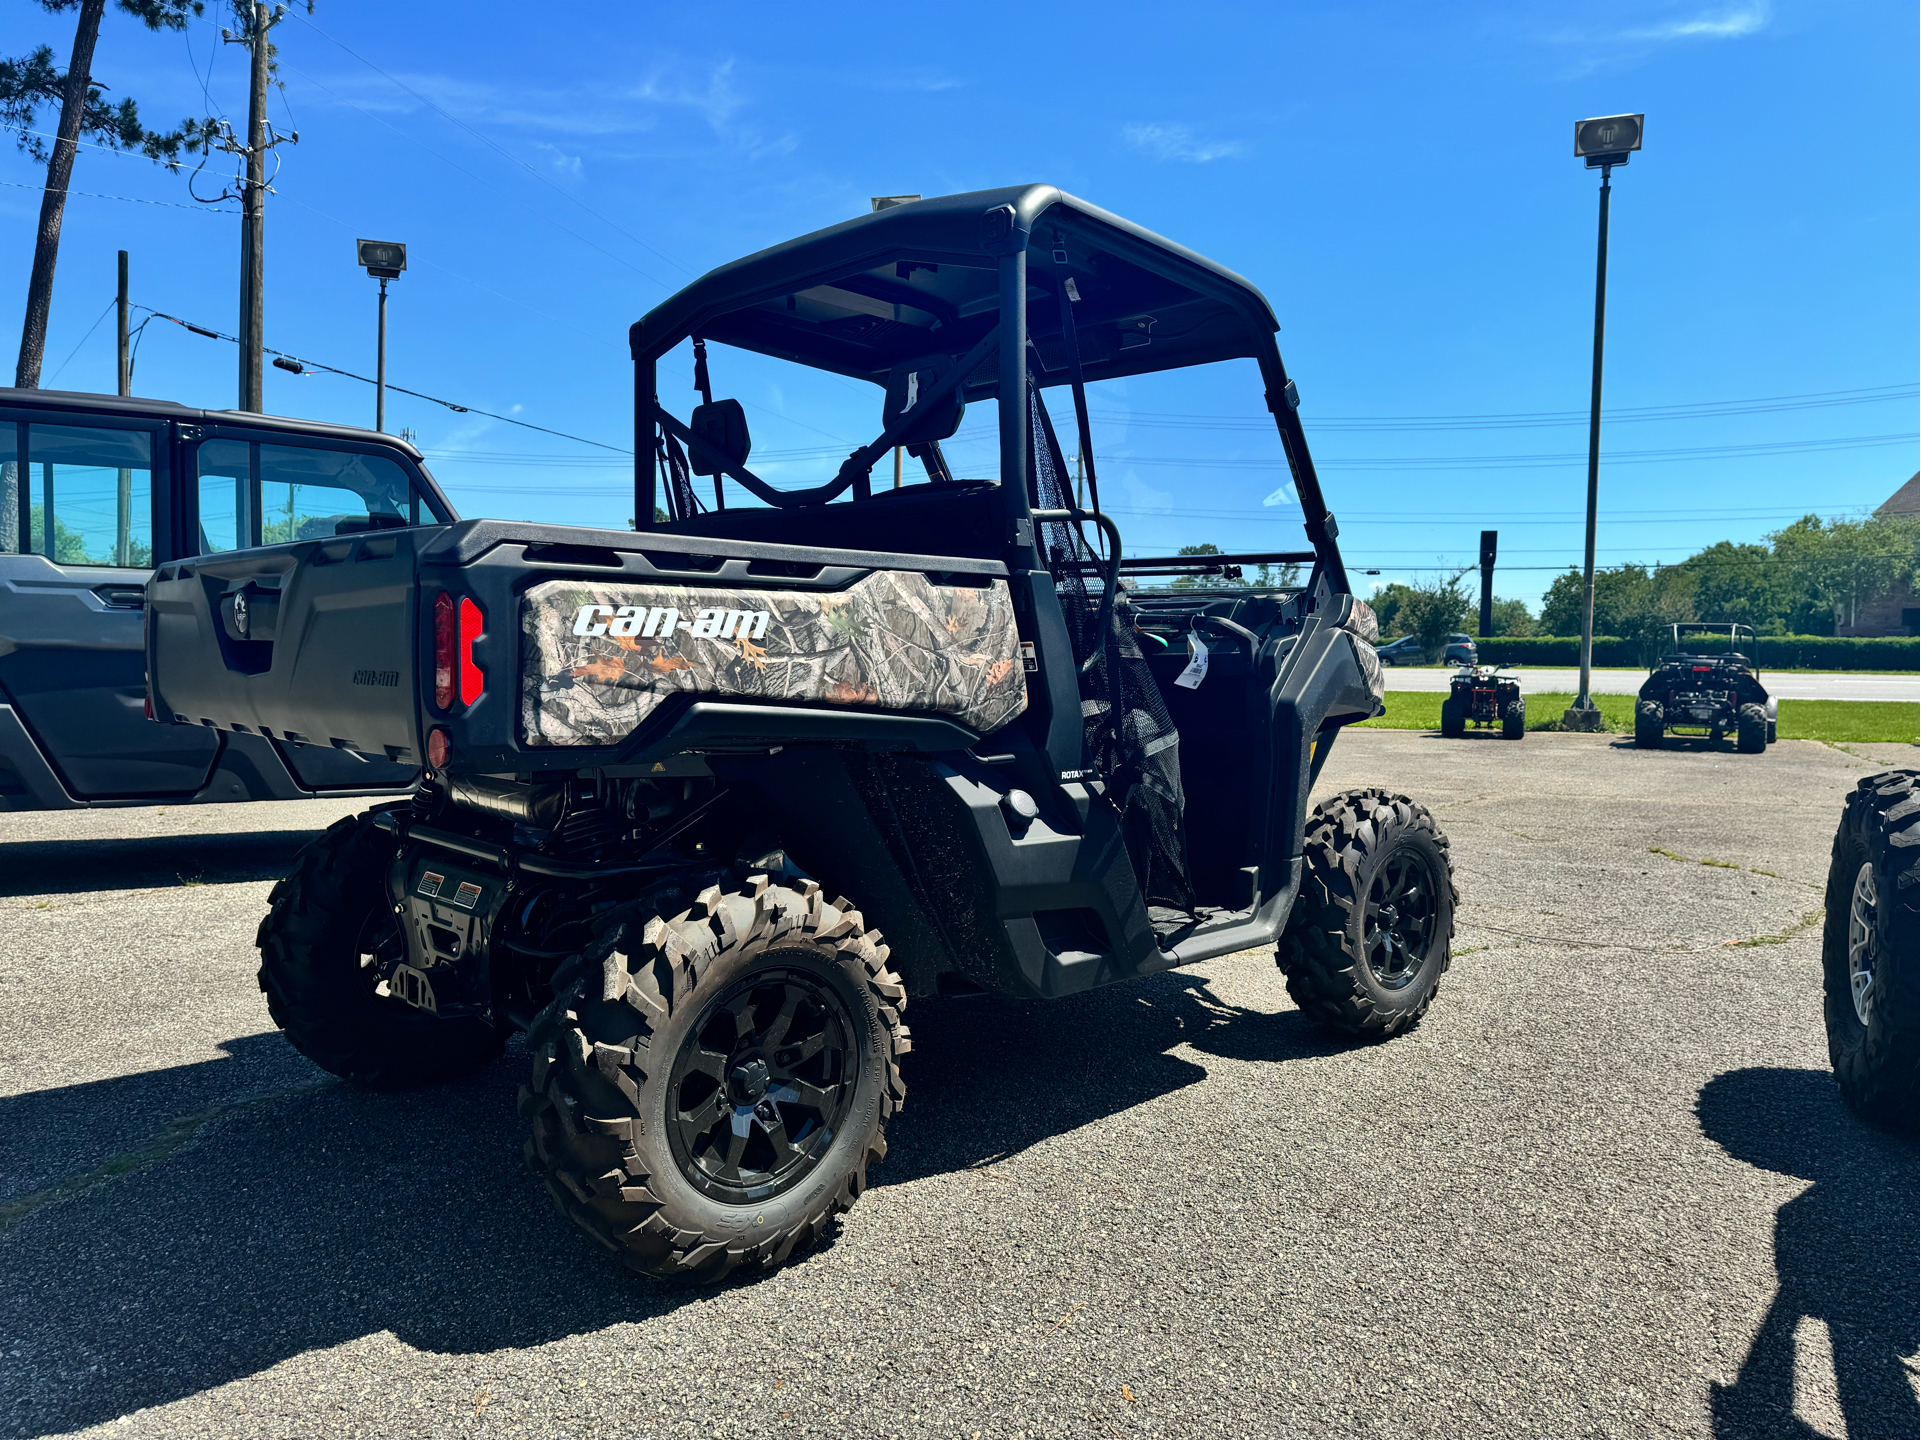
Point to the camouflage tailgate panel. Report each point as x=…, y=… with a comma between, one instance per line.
x=893, y=641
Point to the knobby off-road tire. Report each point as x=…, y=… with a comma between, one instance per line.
x=1871, y=935
x=646, y=1122
x=1453, y=719
x=1751, y=730
x=324, y=926
x=1369, y=935
x=1649, y=722
x=1514, y=720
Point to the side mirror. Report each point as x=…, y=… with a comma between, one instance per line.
x=723, y=425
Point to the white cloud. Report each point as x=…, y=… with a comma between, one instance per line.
x=559, y=160
x=1179, y=142
x=1730, y=22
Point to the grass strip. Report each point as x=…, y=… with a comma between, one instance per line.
x=1815, y=720
x=1851, y=720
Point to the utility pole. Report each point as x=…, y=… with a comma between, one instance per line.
x=253, y=225
x=123, y=510
x=126, y=370
x=261, y=138
x=1603, y=144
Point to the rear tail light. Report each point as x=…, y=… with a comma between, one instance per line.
x=445, y=641
x=472, y=682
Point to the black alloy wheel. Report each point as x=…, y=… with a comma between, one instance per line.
x=1370, y=932
x=761, y=1086
x=1400, y=918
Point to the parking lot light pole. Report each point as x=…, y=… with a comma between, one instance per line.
x=1603, y=143
x=384, y=260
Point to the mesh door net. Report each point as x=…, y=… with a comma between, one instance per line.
x=1124, y=722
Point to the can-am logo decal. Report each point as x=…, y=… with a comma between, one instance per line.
x=710, y=623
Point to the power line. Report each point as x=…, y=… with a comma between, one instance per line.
x=83, y=340
x=1688, y=410
x=401, y=389
x=130, y=199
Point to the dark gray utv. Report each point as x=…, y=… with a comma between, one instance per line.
x=683, y=780
x=95, y=490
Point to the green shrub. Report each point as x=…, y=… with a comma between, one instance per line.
x=1770, y=652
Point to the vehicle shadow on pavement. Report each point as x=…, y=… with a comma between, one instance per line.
x=52, y=868
x=301, y=1220
x=990, y=1077
x=291, y=1212
x=1844, y=1249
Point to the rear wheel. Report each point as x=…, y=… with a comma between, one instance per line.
x=1514, y=720
x=1369, y=934
x=1649, y=721
x=1453, y=718
x=710, y=1090
x=1869, y=952
x=322, y=942
x=1751, y=730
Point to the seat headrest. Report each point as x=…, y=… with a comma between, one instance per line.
x=908, y=385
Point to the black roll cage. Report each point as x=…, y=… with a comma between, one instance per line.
x=997, y=228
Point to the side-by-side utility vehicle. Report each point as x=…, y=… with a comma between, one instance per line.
x=682, y=780
x=97, y=490
x=1706, y=689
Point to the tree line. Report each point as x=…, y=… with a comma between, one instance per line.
x=1808, y=578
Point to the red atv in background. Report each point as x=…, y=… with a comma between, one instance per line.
x=1484, y=695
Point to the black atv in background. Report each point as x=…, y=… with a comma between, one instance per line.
x=660, y=762
x=1711, y=692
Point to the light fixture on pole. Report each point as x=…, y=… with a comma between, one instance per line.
x=384, y=260
x=1602, y=143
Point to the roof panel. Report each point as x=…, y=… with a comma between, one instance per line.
x=921, y=278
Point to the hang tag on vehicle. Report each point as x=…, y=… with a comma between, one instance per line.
x=1196, y=671
x=1073, y=290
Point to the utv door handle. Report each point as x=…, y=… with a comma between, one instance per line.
x=1110, y=582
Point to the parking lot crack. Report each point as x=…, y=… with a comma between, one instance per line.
x=176, y=1134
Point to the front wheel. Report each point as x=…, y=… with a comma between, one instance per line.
x=1649, y=722
x=710, y=1090
x=324, y=945
x=1370, y=931
x=1751, y=730
x=1514, y=720
x=1453, y=719
x=1868, y=952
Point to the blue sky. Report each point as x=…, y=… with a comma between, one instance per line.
x=1396, y=177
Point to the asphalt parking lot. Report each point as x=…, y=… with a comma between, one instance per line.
x=1606, y=1188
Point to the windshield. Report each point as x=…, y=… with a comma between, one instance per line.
x=1186, y=462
